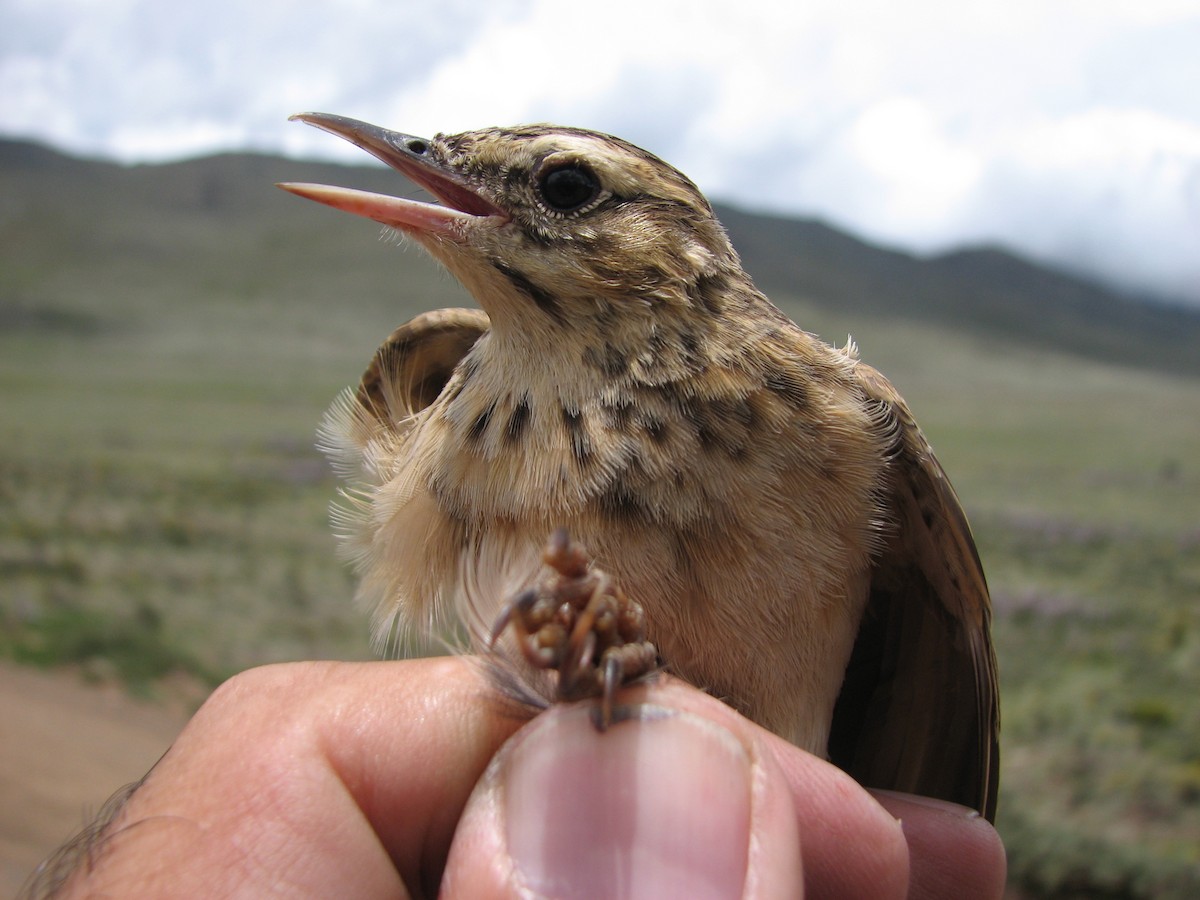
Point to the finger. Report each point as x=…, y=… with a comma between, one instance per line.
x=852, y=846
x=314, y=778
x=954, y=851
x=683, y=797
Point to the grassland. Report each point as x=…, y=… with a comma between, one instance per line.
x=169, y=338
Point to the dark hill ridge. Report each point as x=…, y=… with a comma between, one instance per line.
x=982, y=290
x=223, y=207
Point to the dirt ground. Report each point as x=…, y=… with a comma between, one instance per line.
x=65, y=747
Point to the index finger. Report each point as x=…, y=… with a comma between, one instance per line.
x=308, y=778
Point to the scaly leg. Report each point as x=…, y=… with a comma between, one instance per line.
x=577, y=621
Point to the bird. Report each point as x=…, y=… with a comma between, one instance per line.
x=766, y=498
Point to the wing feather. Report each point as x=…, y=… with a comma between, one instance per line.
x=919, y=710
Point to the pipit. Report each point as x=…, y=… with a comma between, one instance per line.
x=764, y=498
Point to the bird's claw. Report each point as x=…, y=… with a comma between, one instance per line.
x=577, y=621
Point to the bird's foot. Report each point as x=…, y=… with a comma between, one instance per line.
x=577, y=621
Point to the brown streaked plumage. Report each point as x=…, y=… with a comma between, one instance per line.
x=766, y=498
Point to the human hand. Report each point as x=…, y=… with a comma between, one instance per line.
x=400, y=779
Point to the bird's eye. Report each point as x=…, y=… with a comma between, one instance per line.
x=569, y=187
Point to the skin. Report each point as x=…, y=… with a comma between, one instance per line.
x=395, y=779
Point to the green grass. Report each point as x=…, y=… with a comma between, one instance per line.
x=162, y=510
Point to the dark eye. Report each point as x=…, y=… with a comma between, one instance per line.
x=568, y=188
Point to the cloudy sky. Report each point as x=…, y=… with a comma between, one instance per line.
x=1066, y=129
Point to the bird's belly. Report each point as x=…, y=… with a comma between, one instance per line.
x=755, y=625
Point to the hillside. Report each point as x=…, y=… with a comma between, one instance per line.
x=54, y=202
x=983, y=291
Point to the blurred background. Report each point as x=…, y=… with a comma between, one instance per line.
x=999, y=201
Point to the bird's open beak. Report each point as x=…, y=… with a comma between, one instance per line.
x=410, y=156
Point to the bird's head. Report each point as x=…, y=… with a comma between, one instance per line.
x=545, y=225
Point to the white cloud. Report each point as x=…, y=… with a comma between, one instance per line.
x=1064, y=128
x=1114, y=191
x=132, y=78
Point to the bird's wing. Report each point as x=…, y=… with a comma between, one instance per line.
x=919, y=708
x=412, y=366
x=408, y=371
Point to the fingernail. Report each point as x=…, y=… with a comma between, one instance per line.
x=899, y=800
x=658, y=805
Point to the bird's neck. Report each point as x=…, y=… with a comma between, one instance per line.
x=604, y=415
x=535, y=426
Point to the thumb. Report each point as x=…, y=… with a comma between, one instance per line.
x=667, y=802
